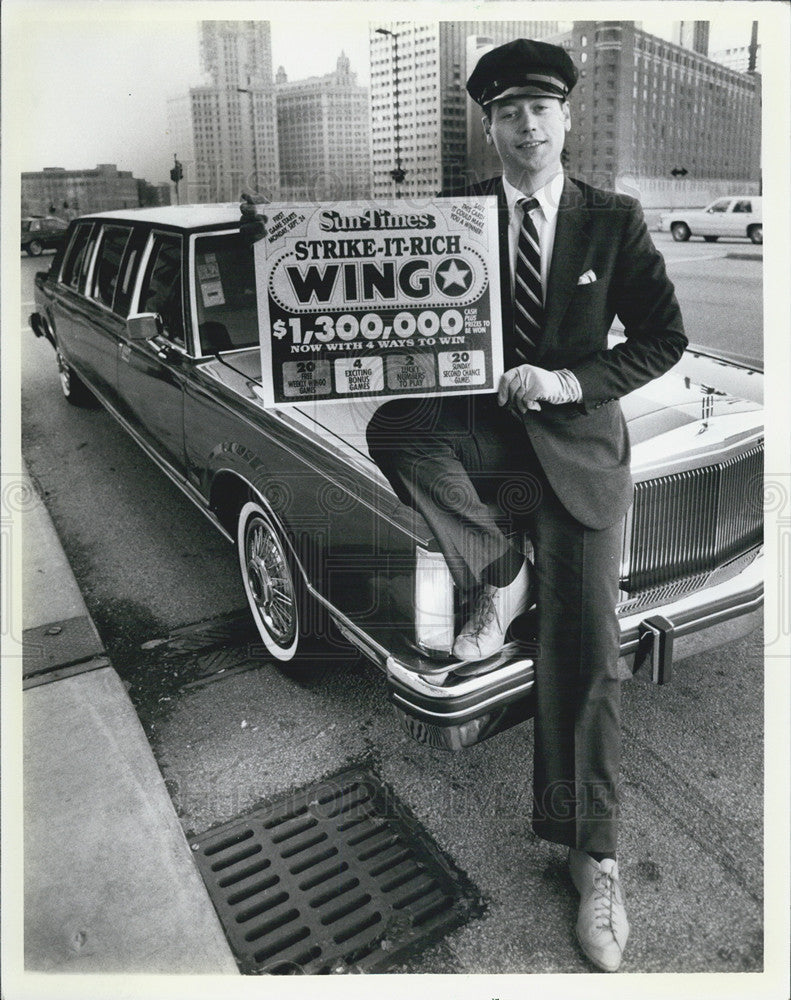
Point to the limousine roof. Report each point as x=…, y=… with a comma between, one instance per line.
x=182, y=216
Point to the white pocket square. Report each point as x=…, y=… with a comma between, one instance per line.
x=587, y=278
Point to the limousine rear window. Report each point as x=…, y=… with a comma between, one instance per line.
x=108, y=263
x=224, y=286
x=161, y=289
x=72, y=267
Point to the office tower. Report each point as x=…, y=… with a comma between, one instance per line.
x=419, y=101
x=692, y=35
x=644, y=107
x=231, y=121
x=324, y=136
x=68, y=193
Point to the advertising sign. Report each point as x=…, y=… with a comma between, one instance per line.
x=379, y=300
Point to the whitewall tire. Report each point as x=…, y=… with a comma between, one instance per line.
x=268, y=580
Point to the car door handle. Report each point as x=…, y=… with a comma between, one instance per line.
x=168, y=354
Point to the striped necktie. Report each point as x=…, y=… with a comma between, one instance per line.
x=528, y=293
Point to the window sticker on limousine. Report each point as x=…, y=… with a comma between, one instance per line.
x=207, y=267
x=209, y=280
x=378, y=300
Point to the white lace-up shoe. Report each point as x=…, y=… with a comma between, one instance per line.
x=602, y=927
x=495, y=609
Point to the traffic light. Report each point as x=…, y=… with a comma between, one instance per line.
x=177, y=172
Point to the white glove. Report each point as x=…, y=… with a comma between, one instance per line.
x=525, y=387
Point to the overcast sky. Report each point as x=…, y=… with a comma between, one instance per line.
x=94, y=89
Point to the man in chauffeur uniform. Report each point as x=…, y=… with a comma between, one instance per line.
x=572, y=257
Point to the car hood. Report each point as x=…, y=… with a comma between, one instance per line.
x=683, y=413
x=676, y=401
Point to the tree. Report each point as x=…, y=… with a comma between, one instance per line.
x=147, y=194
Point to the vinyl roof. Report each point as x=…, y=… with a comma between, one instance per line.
x=183, y=216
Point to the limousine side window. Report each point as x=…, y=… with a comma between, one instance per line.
x=161, y=291
x=225, y=293
x=76, y=256
x=112, y=245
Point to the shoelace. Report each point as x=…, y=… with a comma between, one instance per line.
x=604, y=902
x=485, y=612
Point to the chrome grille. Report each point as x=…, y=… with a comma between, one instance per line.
x=690, y=522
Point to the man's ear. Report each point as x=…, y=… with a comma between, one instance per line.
x=566, y=115
x=487, y=128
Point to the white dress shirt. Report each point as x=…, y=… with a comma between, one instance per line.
x=545, y=218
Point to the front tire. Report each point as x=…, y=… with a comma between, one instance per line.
x=35, y=248
x=756, y=234
x=268, y=581
x=73, y=388
x=680, y=231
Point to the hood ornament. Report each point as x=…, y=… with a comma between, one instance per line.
x=706, y=411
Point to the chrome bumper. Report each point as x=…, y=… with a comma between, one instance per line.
x=462, y=708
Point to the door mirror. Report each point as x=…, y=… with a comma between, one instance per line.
x=143, y=326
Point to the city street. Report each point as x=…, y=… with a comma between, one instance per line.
x=229, y=728
x=719, y=288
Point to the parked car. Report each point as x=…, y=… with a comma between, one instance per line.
x=42, y=232
x=737, y=216
x=315, y=523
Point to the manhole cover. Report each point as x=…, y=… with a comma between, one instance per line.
x=339, y=877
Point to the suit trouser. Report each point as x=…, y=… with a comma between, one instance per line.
x=447, y=457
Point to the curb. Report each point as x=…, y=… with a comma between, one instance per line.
x=110, y=883
x=59, y=638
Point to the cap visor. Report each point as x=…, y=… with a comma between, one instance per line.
x=529, y=90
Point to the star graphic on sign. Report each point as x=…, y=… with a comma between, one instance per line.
x=450, y=273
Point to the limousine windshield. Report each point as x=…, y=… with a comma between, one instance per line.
x=224, y=283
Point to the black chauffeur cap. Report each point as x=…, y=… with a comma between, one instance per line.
x=522, y=68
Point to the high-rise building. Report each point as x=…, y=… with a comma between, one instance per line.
x=232, y=120
x=418, y=100
x=68, y=193
x=323, y=127
x=692, y=35
x=644, y=107
x=738, y=58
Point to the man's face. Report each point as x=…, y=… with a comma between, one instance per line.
x=528, y=134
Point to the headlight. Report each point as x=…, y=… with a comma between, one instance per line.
x=433, y=602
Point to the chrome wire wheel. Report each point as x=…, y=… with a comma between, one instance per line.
x=74, y=390
x=268, y=582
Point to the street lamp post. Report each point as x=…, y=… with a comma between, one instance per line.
x=398, y=173
x=248, y=90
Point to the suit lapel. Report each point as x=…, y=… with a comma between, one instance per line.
x=568, y=254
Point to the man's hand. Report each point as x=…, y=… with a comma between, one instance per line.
x=252, y=225
x=525, y=387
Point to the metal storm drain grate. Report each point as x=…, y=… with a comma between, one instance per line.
x=336, y=878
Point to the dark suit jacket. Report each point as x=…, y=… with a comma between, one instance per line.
x=584, y=447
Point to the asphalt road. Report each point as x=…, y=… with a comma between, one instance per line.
x=691, y=850
x=720, y=290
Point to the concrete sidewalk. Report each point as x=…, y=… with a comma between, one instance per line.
x=110, y=884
